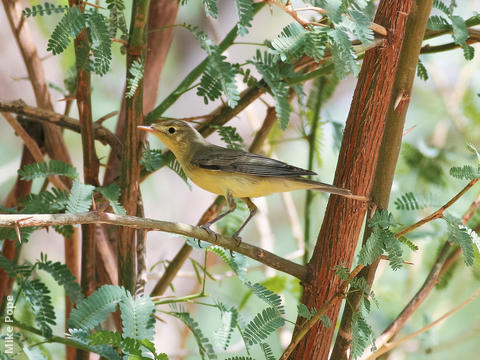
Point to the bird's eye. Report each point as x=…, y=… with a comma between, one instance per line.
x=171, y=130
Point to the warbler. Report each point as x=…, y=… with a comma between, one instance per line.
x=232, y=173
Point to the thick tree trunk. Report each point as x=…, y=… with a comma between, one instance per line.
x=357, y=163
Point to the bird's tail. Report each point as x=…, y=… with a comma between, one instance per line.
x=316, y=185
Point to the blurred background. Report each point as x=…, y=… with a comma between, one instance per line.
x=443, y=117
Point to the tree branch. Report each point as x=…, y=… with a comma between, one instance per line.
x=389, y=346
x=42, y=115
x=439, y=213
x=197, y=232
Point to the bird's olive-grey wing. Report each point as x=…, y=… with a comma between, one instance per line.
x=235, y=161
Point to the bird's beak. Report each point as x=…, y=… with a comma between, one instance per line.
x=145, y=128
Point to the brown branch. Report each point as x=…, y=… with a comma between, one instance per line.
x=356, y=166
x=439, y=213
x=33, y=147
x=389, y=346
x=43, y=115
x=197, y=232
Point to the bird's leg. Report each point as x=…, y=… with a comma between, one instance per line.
x=253, y=210
x=232, y=205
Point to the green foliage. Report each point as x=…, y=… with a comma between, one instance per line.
x=135, y=72
x=38, y=297
x=43, y=169
x=267, y=351
x=304, y=312
x=94, y=310
x=267, y=66
x=63, y=276
x=231, y=223
x=137, y=317
x=204, y=346
x=262, y=325
x=112, y=194
x=230, y=137
x=268, y=296
x=461, y=235
x=154, y=159
x=71, y=24
x=427, y=168
x=466, y=172
x=82, y=337
x=455, y=23
x=219, y=75
x=244, y=9
x=361, y=335
x=407, y=201
x=237, y=263
x=45, y=202
x=80, y=198
x=100, y=45
x=422, y=71
x=211, y=8
x=381, y=239
x=45, y=9
x=295, y=41
x=229, y=318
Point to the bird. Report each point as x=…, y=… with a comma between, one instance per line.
x=233, y=173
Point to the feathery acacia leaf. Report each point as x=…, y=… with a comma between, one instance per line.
x=38, y=296
x=135, y=75
x=93, y=310
x=80, y=198
x=71, y=24
x=262, y=325
x=137, y=317
x=43, y=169
x=244, y=9
x=45, y=9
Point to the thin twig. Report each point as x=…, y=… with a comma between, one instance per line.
x=389, y=346
x=439, y=213
x=42, y=115
x=197, y=232
x=32, y=146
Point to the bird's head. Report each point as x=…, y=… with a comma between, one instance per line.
x=177, y=135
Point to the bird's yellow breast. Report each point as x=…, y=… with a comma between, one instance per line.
x=240, y=185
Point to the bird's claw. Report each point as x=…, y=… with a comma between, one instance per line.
x=209, y=231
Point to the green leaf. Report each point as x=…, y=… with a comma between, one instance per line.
x=135, y=75
x=100, y=43
x=268, y=296
x=45, y=9
x=80, y=198
x=38, y=297
x=344, y=58
x=229, y=317
x=230, y=137
x=43, y=169
x=204, y=346
x=63, y=276
x=422, y=71
x=137, y=317
x=82, y=336
x=93, y=310
x=71, y=24
x=112, y=194
x=211, y=8
x=262, y=325
x=407, y=201
x=362, y=335
x=461, y=235
x=267, y=351
x=45, y=202
x=466, y=172
x=244, y=9
x=238, y=263
x=267, y=66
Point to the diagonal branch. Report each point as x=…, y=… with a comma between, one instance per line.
x=197, y=232
x=43, y=115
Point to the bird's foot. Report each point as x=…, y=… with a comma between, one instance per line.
x=237, y=239
x=209, y=231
